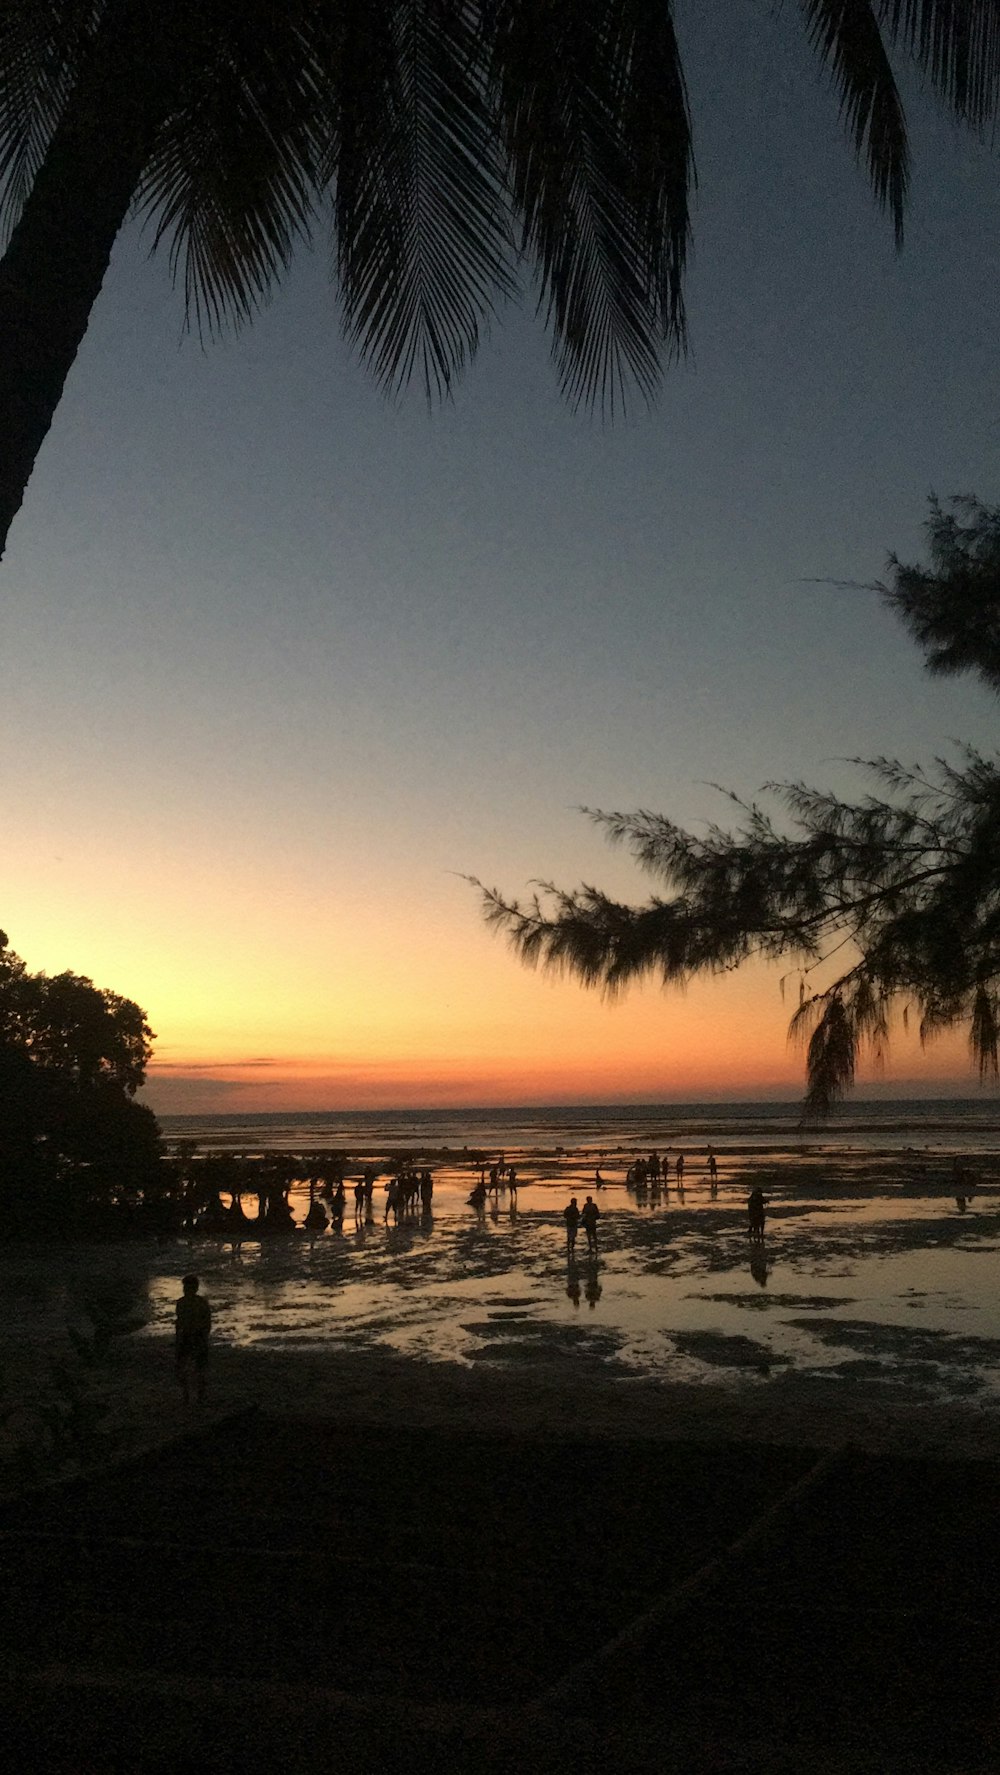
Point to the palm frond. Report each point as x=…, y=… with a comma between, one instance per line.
x=422, y=214
x=232, y=181
x=594, y=115
x=41, y=47
x=956, y=43
x=847, y=36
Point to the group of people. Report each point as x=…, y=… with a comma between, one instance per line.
x=406, y=1191
x=502, y=1181
x=648, y=1174
x=587, y=1217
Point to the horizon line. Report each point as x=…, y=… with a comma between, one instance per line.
x=635, y=1104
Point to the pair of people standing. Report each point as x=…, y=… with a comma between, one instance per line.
x=587, y=1217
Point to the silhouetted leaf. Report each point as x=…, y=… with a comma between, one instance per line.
x=847, y=36
x=232, y=182
x=422, y=212
x=593, y=111
x=41, y=46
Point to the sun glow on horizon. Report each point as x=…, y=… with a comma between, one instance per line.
x=271, y=1001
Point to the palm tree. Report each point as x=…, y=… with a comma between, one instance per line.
x=453, y=142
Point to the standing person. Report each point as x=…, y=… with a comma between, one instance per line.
x=193, y=1320
x=756, y=1203
x=359, y=1198
x=590, y=1214
x=512, y=1185
x=713, y=1168
x=392, y=1200
x=680, y=1170
x=571, y=1215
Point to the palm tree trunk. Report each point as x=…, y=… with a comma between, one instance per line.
x=54, y=266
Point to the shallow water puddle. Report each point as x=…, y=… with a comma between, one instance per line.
x=898, y=1288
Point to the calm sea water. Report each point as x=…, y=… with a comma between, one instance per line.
x=962, y=1125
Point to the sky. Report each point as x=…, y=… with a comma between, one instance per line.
x=282, y=661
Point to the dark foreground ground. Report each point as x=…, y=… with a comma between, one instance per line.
x=305, y=1595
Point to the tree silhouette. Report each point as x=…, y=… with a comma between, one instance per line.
x=896, y=895
x=454, y=144
x=72, y=1138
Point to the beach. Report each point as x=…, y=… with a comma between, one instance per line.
x=869, y=1315
x=138, y=1391
x=442, y=1464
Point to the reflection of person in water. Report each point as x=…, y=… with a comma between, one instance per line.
x=573, y=1283
x=758, y=1267
x=593, y=1287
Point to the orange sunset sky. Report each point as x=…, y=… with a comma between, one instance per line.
x=246, y=1021
x=281, y=660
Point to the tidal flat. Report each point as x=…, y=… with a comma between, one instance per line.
x=871, y=1299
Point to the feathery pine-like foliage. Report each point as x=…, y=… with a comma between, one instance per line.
x=884, y=904
x=456, y=146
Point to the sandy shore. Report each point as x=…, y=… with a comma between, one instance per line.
x=141, y=1405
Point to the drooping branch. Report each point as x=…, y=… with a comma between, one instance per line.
x=908, y=886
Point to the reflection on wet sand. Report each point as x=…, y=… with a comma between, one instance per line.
x=830, y=1261
x=867, y=1270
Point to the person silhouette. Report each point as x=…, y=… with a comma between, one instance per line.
x=571, y=1215
x=193, y=1325
x=756, y=1203
x=590, y=1214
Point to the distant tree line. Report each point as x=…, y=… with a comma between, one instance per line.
x=76, y=1151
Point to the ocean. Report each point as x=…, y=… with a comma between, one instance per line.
x=962, y=1125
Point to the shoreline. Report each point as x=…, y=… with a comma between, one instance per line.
x=560, y=1400
x=136, y=1406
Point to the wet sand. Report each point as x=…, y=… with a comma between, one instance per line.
x=142, y=1406
x=877, y=1324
